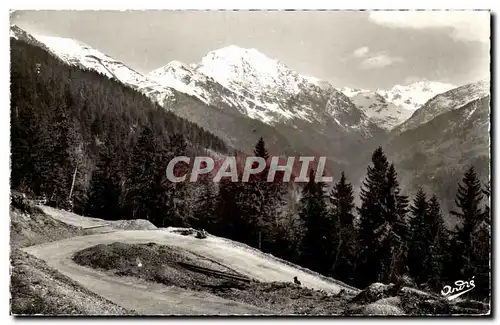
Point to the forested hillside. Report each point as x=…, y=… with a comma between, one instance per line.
x=67, y=122
x=74, y=126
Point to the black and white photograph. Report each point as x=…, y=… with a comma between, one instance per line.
x=250, y=163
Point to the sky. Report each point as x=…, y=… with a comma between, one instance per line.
x=358, y=49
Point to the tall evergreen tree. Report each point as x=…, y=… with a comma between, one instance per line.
x=342, y=219
x=205, y=205
x=262, y=202
x=260, y=149
x=396, y=230
x=439, y=247
x=383, y=232
x=148, y=194
x=105, y=189
x=233, y=223
x=178, y=195
x=420, y=239
x=369, y=267
x=470, y=215
x=317, y=244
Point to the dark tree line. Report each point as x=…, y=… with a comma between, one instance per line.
x=68, y=122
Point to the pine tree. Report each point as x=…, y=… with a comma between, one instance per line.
x=179, y=199
x=64, y=139
x=148, y=194
x=372, y=217
x=205, y=211
x=396, y=237
x=420, y=241
x=261, y=202
x=233, y=223
x=317, y=245
x=473, y=235
x=105, y=189
x=383, y=232
x=260, y=149
x=439, y=248
x=342, y=220
x=469, y=214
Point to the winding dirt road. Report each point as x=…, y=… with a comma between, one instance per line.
x=148, y=298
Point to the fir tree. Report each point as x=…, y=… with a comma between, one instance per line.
x=105, y=189
x=232, y=221
x=438, y=245
x=372, y=218
x=261, y=202
x=396, y=208
x=178, y=195
x=260, y=149
x=317, y=250
x=420, y=239
x=469, y=214
x=342, y=219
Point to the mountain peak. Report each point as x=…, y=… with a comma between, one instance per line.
x=171, y=67
x=234, y=63
x=235, y=52
x=262, y=88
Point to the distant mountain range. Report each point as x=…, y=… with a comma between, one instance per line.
x=389, y=108
x=241, y=94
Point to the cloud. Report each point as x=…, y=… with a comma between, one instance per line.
x=361, y=52
x=463, y=25
x=374, y=60
x=380, y=60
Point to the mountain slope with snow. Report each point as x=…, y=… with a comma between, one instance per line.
x=264, y=89
x=389, y=108
x=445, y=102
x=77, y=53
x=20, y=34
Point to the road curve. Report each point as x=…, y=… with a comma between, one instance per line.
x=148, y=298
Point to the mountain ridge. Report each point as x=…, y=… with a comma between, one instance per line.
x=264, y=89
x=391, y=107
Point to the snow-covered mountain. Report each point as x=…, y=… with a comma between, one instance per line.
x=264, y=89
x=391, y=107
x=20, y=34
x=445, y=102
x=77, y=53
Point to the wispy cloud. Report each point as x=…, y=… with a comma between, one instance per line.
x=374, y=60
x=361, y=52
x=379, y=60
x=463, y=25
